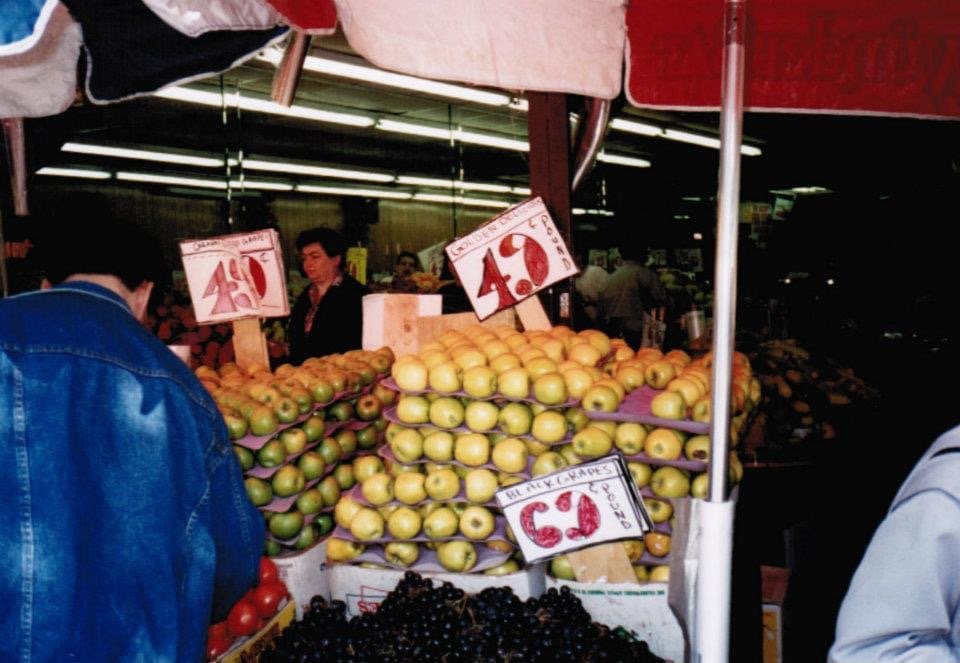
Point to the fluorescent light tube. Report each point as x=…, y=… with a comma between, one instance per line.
x=621, y=160
x=446, y=134
x=316, y=171
x=347, y=191
x=235, y=100
x=452, y=184
x=640, y=128
x=170, y=179
x=261, y=185
x=145, y=155
x=459, y=200
x=74, y=172
x=521, y=190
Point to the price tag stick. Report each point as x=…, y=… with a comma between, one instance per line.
x=249, y=343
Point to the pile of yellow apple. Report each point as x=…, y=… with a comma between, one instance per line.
x=655, y=544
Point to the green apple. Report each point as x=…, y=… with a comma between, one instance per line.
x=368, y=407
x=294, y=440
x=413, y=410
x=330, y=450
x=324, y=523
x=321, y=390
x=410, y=488
x=404, y=523
x=438, y=446
x=641, y=473
x=286, y=410
x=560, y=568
x=245, y=457
x=264, y=393
x=263, y=420
x=401, y=553
x=457, y=556
x=286, y=525
x=481, y=416
x=480, y=381
x=515, y=419
x=514, y=383
x=480, y=484
x=367, y=525
x=472, y=449
x=367, y=437
x=378, y=489
x=477, y=523
x=307, y=537
x=549, y=426
x=663, y=444
x=548, y=462
x=384, y=394
x=271, y=548
x=407, y=445
x=287, y=481
x=312, y=465
x=345, y=510
x=347, y=439
x=329, y=488
x=600, y=398
x=668, y=405
x=510, y=455
x=310, y=501
x=446, y=377
x=441, y=523
x=341, y=411
x=272, y=454
x=314, y=427
x=697, y=447
x=236, y=425
x=670, y=481
x=505, y=569
x=446, y=412
x=629, y=438
x=442, y=484
x=660, y=511
x=365, y=467
x=550, y=389
x=302, y=398
x=592, y=442
x=258, y=491
x=344, y=476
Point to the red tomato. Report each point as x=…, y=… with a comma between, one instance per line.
x=217, y=647
x=243, y=619
x=268, y=570
x=267, y=597
x=219, y=630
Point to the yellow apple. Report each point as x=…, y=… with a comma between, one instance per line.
x=481, y=416
x=413, y=410
x=509, y=479
x=494, y=348
x=697, y=447
x=469, y=357
x=457, y=556
x=549, y=426
x=343, y=550
x=407, y=445
x=401, y=553
x=410, y=488
x=365, y=467
x=700, y=410
x=600, y=398
x=515, y=418
x=592, y=442
x=367, y=525
x=345, y=510
x=659, y=510
x=670, y=481
x=472, y=449
x=631, y=377
x=446, y=377
x=378, y=489
x=480, y=381
x=514, y=383
x=668, y=405
x=629, y=438
x=657, y=543
x=634, y=549
x=553, y=348
x=577, y=381
x=736, y=468
x=539, y=366
x=584, y=354
x=442, y=484
x=577, y=420
x=687, y=388
x=663, y=444
x=677, y=356
x=510, y=455
x=410, y=375
x=404, y=523
x=568, y=453
x=505, y=362
x=700, y=486
x=550, y=389
x=477, y=523
x=480, y=485
x=659, y=374
x=505, y=569
x=441, y=523
x=640, y=472
x=446, y=412
x=660, y=573
x=438, y=446
x=641, y=573
x=560, y=568
x=548, y=462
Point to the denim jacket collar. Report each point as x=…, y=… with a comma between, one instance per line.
x=88, y=288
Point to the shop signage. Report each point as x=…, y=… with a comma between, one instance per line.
x=510, y=257
x=574, y=508
x=236, y=276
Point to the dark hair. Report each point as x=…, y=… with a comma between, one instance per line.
x=332, y=242
x=408, y=254
x=82, y=236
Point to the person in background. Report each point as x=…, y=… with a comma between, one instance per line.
x=407, y=264
x=328, y=316
x=903, y=603
x=589, y=287
x=455, y=298
x=127, y=529
x=631, y=289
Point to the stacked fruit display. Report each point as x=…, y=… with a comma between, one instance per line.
x=250, y=614
x=803, y=393
x=301, y=434
x=494, y=407
x=418, y=621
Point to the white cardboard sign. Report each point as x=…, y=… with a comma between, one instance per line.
x=510, y=258
x=575, y=507
x=236, y=276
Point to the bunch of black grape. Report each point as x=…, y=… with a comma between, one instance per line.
x=417, y=621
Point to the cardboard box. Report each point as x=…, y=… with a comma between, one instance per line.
x=305, y=575
x=641, y=609
x=773, y=591
x=363, y=589
x=392, y=320
x=248, y=650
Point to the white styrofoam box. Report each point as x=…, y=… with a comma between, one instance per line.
x=362, y=589
x=391, y=319
x=639, y=608
x=304, y=574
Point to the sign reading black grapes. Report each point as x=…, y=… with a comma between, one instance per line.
x=236, y=276
x=510, y=257
x=575, y=507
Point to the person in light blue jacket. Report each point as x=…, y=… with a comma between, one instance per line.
x=125, y=525
x=903, y=603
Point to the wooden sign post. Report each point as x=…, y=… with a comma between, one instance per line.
x=239, y=279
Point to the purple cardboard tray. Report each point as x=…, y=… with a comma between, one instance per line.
x=636, y=408
x=390, y=383
x=499, y=534
x=386, y=453
x=487, y=558
x=356, y=494
x=682, y=463
x=391, y=415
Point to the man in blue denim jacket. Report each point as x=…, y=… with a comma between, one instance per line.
x=125, y=525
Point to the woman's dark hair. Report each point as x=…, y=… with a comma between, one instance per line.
x=332, y=242
x=408, y=254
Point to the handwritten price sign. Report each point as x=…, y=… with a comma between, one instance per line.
x=236, y=276
x=575, y=508
x=510, y=258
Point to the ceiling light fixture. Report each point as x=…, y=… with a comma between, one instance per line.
x=144, y=155
x=83, y=173
x=471, y=137
x=244, y=183
x=335, y=64
x=652, y=130
x=348, y=191
x=580, y=211
x=459, y=200
x=621, y=160
x=316, y=171
x=171, y=179
x=236, y=100
x=452, y=184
